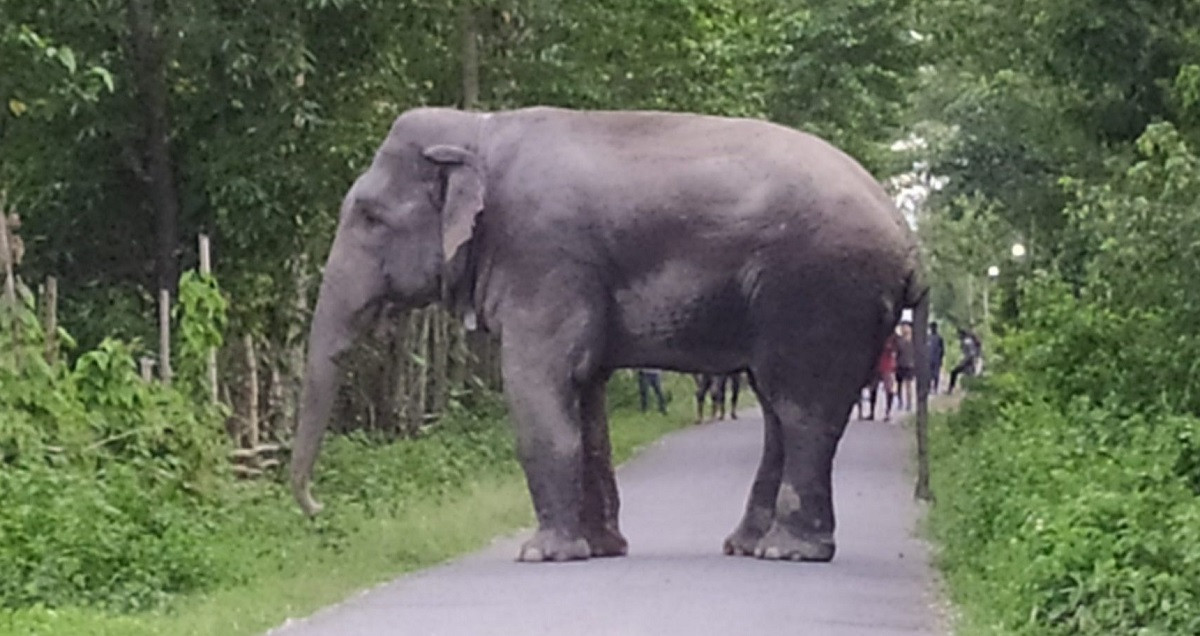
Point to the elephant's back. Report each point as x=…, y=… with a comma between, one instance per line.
x=679, y=185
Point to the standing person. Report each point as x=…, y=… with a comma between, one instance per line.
x=885, y=373
x=937, y=353
x=705, y=384
x=734, y=383
x=906, y=366
x=650, y=379
x=872, y=387
x=969, y=346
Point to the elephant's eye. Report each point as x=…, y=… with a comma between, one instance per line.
x=370, y=216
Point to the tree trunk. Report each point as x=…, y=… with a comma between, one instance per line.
x=469, y=31
x=149, y=77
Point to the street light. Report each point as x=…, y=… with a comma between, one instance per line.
x=1018, y=250
x=992, y=271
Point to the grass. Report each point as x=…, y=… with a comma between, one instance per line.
x=291, y=568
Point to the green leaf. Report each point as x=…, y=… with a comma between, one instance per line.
x=67, y=57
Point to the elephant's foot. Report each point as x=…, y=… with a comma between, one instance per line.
x=607, y=542
x=554, y=545
x=780, y=544
x=743, y=541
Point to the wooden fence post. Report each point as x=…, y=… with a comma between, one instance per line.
x=164, y=335
x=6, y=254
x=251, y=430
x=50, y=306
x=206, y=270
x=146, y=368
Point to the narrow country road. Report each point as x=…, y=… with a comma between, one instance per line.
x=679, y=500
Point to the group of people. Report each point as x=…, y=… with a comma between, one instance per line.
x=896, y=371
x=714, y=386
x=896, y=368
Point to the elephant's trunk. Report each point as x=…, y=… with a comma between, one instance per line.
x=339, y=314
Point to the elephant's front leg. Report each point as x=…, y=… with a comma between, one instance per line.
x=544, y=405
x=601, y=502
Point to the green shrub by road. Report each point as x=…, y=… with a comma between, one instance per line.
x=1067, y=518
x=390, y=508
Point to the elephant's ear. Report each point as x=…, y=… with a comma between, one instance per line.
x=464, y=196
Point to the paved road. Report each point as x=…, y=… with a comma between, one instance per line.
x=680, y=498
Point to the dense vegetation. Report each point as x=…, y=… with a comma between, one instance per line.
x=127, y=127
x=1068, y=484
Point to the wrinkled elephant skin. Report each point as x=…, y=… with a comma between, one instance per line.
x=594, y=241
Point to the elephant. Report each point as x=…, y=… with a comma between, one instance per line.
x=592, y=241
x=714, y=385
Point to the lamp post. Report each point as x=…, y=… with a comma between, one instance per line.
x=992, y=272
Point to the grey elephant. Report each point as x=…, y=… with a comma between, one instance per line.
x=597, y=240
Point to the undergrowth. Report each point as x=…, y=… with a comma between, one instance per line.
x=120, y=514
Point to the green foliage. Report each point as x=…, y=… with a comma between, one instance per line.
x=273, y=565
x=1069, y=484
x=1067, y=519
x=201, y=318
x=105, y=478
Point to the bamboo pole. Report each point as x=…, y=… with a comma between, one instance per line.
x=10, y=283
x=164, y=335
x=274, y=395
x=206, y=270
x=251, y=392
x=440, y=360
x=50, y=303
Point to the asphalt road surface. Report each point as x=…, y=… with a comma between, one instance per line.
x=679, y=499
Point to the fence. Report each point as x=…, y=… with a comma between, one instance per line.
x=399, y=378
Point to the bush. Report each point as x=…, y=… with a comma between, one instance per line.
x=1069, y=520
x=106, y=480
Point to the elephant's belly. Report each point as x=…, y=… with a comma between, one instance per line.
x=688, y=327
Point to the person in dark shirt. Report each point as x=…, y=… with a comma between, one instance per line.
x=650, y=379
x=937, y=353
x=969, y=345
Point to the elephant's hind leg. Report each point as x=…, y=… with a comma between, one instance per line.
x=601, y=501
x=812, y=396
x=760, y=507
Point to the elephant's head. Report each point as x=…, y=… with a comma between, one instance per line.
x=401, y=241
